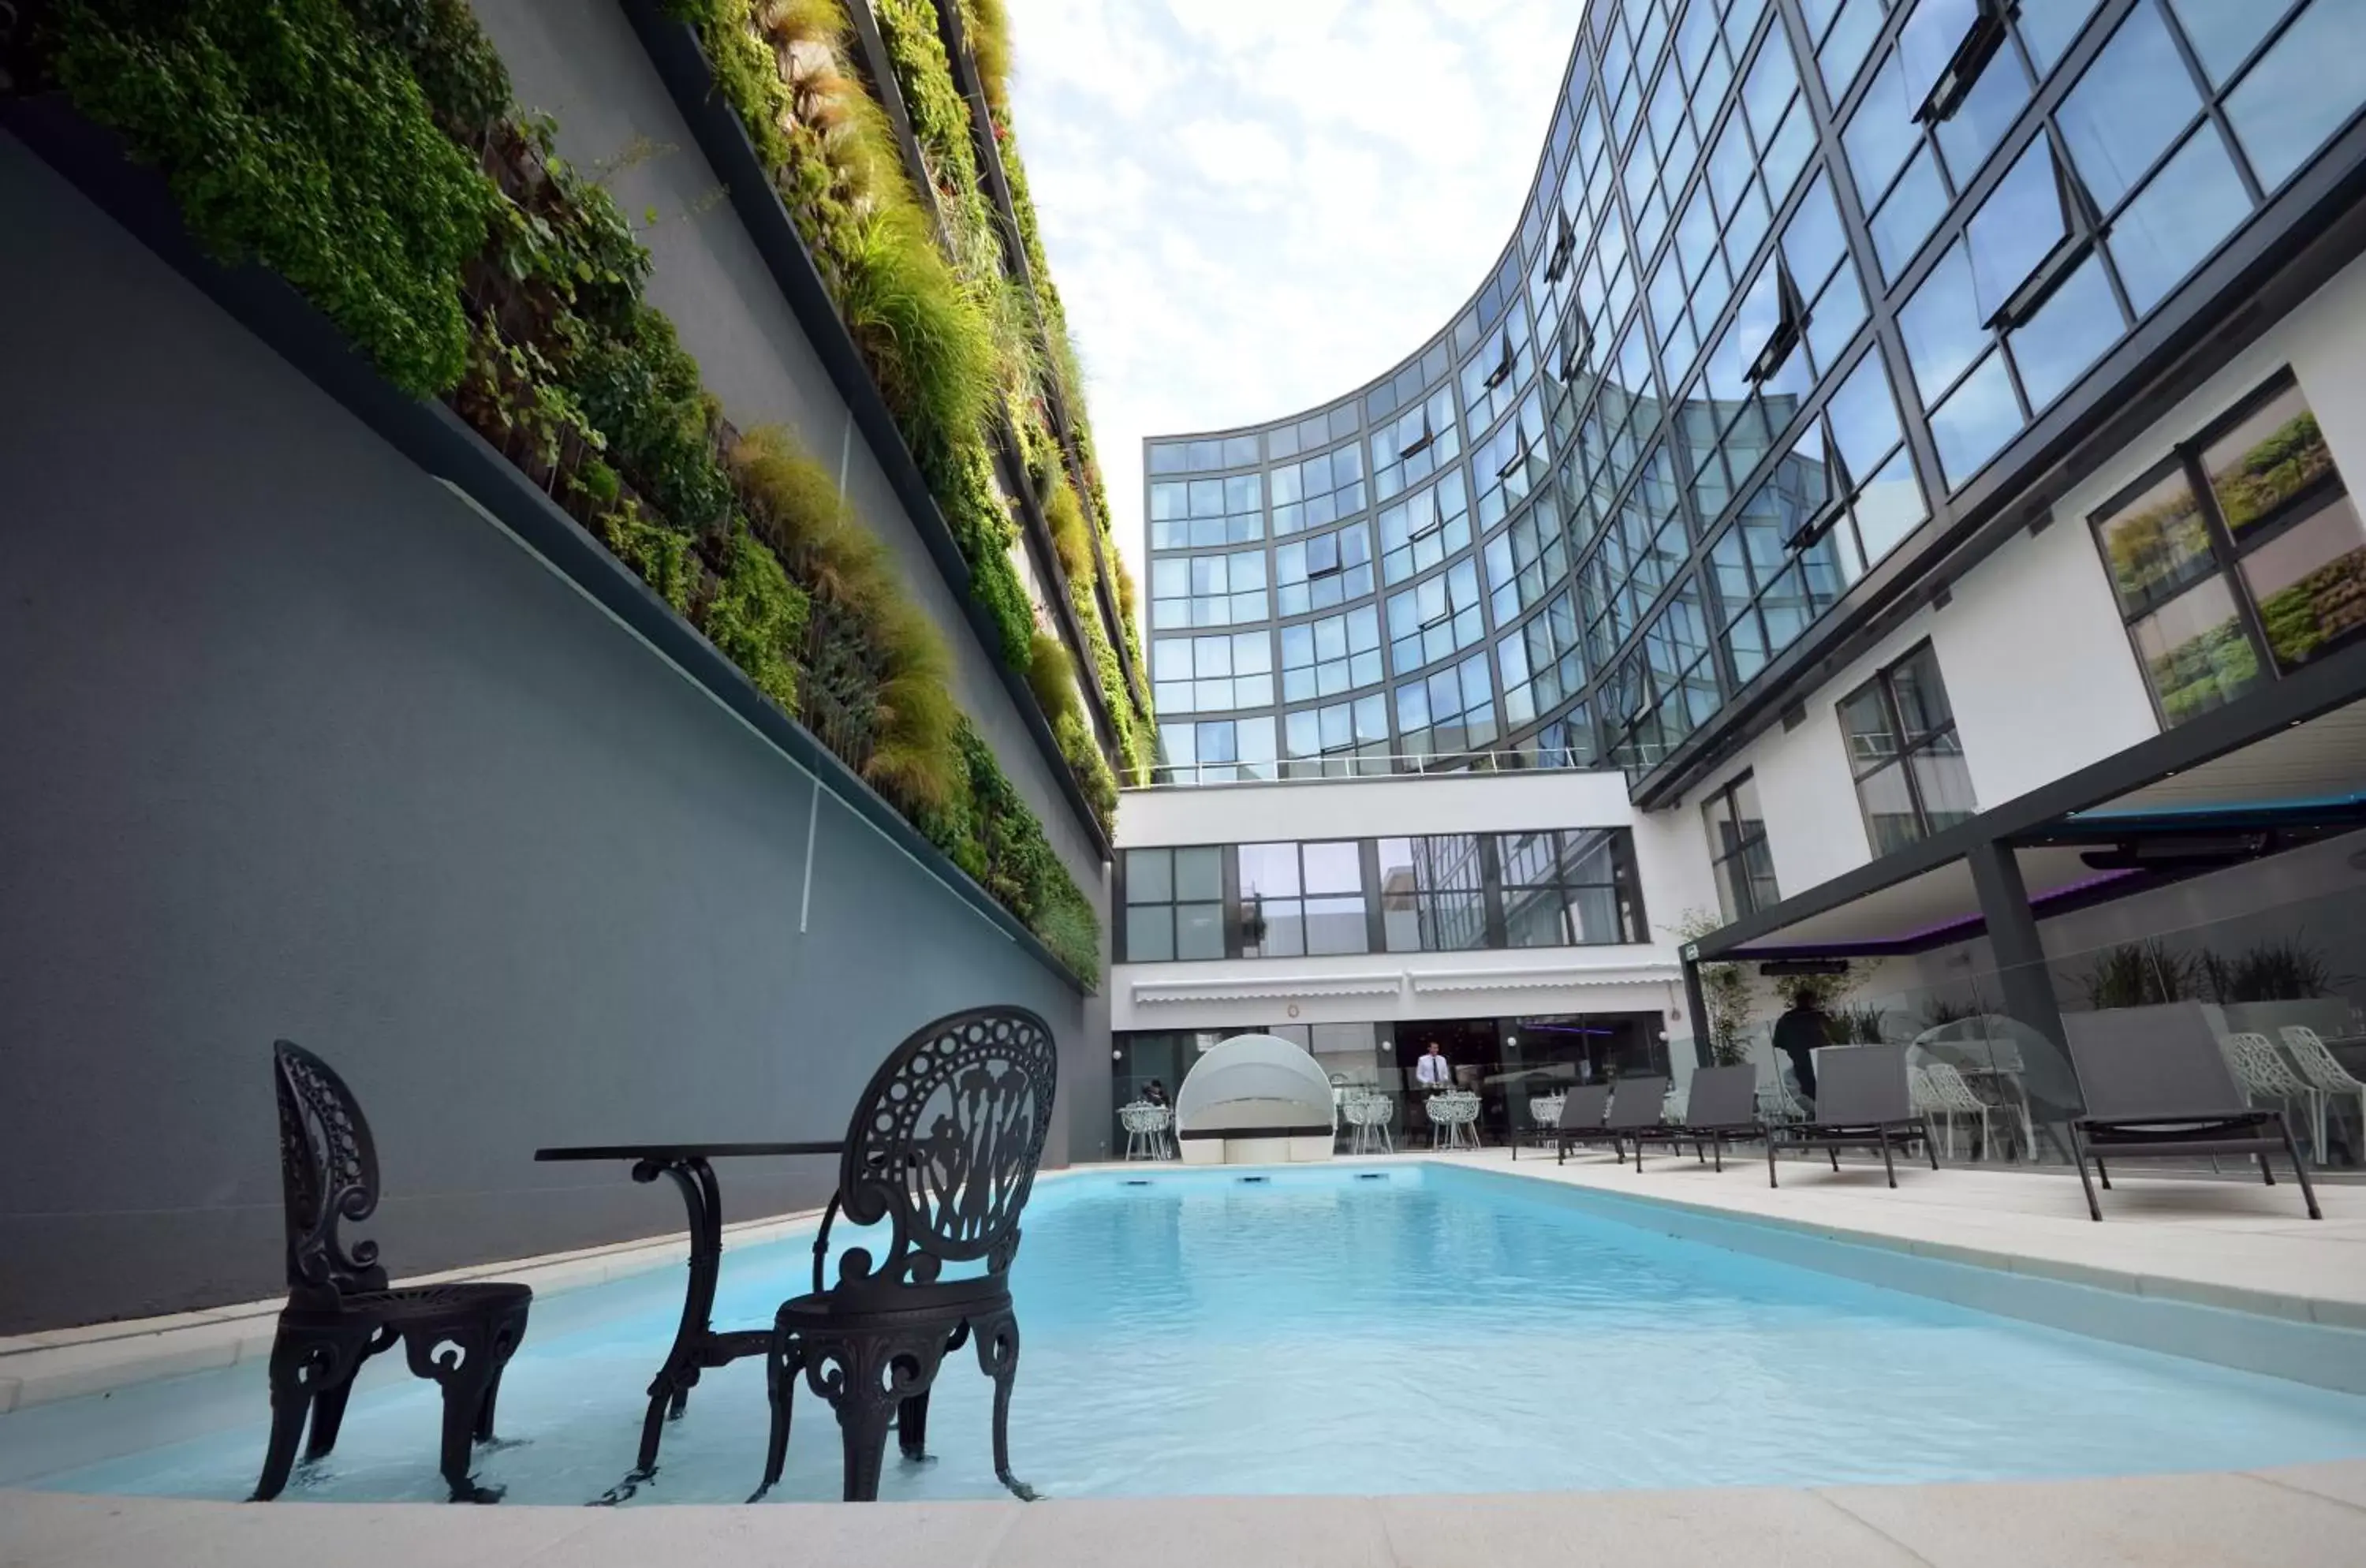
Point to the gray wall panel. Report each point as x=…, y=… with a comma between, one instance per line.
x=300, y=744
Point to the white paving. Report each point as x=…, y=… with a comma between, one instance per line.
x=2300, y=1518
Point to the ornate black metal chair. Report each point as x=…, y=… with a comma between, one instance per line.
x=944, y=1148
x=340, y=1312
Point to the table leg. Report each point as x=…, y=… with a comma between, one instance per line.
x=670, y=1391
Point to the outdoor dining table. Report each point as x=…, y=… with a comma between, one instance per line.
x=696, y=1344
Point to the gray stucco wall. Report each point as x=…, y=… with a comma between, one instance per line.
x=300, y=744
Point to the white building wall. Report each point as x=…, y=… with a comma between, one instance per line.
x=2036, y=662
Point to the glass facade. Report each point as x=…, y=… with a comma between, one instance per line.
x=1793, y=276
x=1572, y=887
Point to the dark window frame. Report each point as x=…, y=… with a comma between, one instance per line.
x=1124, y=903
x=2227, y=550
x=1883, y=681
x=1720, y=856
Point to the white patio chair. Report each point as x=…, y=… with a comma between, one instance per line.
x=1453, y=1117
x=1145, y=1129
x=2324, y=1074
x=1956, y=1098
x=2262, y=1069
x=1370, y=1115
x=1777, y=1103
x=1544, y=1116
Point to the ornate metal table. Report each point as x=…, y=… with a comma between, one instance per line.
x=696, y=1344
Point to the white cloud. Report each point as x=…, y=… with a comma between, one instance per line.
x=1254, y=205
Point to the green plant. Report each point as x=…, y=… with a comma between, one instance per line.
x=1823, y=992
x=2282, y=971
x=756, y=617
x=2277, y=468
x=1724, y=994
x=1857, y=1024
x=290, y=133
x=2141, y=974
x=1937, y=1013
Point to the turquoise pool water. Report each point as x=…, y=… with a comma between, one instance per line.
x=1432, y=1330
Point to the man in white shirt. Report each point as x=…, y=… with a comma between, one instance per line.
x=1433, y=1070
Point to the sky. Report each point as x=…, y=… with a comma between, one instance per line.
x=1254, y=205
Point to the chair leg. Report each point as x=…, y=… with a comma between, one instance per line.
x=2079, y=1158
x=1889, y=1162
x=328, y=1415
x=2266, y=1171
x=912, y=1426
x=862, y=1423
x=1931, y=1150
x=2307, y=1193
x=1770, y=1161
x=781, y=1367
x=290, y=1402
x=1836, y=1160
x=2101, y=1174
x=997, y=1357
x=464, y=1392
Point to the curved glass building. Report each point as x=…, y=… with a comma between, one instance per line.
x=1812, y=303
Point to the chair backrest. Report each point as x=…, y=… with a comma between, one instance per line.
x=1637, y=1101
x=944, y=1144
x=1920, y=1089
x=1859, y=1085
x=1948, y=1087
x=328, y=1172
x=1722, y=1097
x=2259, y=1067
x=2160, y=1062
x=1544, y=1110
x=2317, y=1063
x=1582, y=1108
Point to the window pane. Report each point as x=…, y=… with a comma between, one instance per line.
x=2223, y=31
x=1945, y=781
x=1198, y=930
x=1594, y=915
x=1864, y=721
x=1198, y=873
x=1335, y=925
x=1149, y=876
x=2196, y=655
x=1453, y=922
x=1905, y=219
x=2068, y=333
x=1942, y=326
x=1975, y=421
x=1268, y=871
x=1149, y=933
x=2130, y=105
x=1333, y=868
x=2310, y=584
x=1890, y=821
x=2195, y=202
x=2048, y=27
x=1533, y=917
x=2276, y=452
x=1273, y=928
x=2013, y=232
x=2155, y=545
x=1922, y=695
x=1890, y=507
x=2307, y=85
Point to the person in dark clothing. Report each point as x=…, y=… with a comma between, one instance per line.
x=1798, y=1033
x=1156, y=1094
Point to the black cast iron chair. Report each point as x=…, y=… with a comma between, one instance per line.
x=944, y=1148
x=340, y=1312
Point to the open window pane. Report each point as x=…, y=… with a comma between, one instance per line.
x=2023, y=222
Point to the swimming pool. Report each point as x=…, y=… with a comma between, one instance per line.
x=1401, y=1329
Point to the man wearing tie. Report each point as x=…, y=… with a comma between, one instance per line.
x=1433, y=1071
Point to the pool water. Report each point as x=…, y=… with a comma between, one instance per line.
x=1430, y=1330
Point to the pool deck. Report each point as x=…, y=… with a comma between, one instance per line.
x=2300, y=1516
x=2216, y=1243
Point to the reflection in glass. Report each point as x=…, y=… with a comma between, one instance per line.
x=2130, y=105
x=2068, y=333
x=2194, y=652
x=2302, y=90
x=2310, y=584
x=2195, y=202
x=1975, y=421
x=2274, y=454
x=2155, y=543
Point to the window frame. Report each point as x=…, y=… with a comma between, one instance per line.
x=1883, y=682
x=1745, y=902
x=2227, y=550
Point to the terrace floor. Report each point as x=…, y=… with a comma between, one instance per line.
x=2216, y=1242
